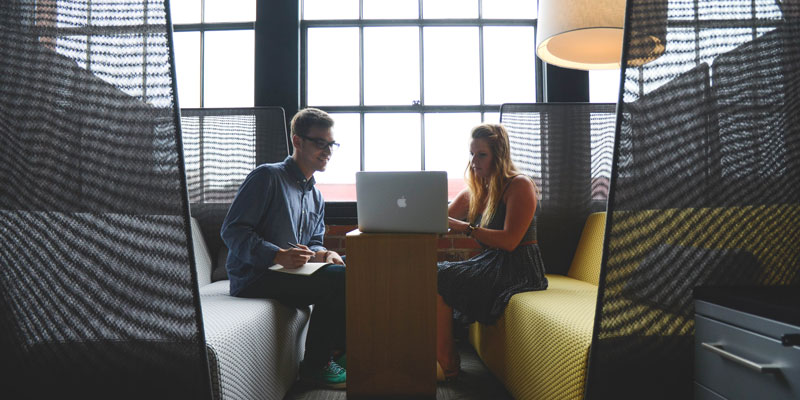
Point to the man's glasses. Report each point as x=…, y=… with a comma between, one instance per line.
x=321, y=144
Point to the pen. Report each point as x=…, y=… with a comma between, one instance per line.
x=293, y=245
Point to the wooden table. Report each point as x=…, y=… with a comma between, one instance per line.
x=391, y=315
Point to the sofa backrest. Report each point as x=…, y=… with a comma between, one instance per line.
x=589, y=255
x=202, y=257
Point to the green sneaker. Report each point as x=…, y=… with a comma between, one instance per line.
x=342, y=361
x=331, y=375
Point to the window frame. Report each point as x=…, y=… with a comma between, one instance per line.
x=421, y=107
x=202, y=27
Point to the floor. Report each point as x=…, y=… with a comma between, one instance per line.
x=474, y=383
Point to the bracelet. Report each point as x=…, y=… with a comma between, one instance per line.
x=470, y=228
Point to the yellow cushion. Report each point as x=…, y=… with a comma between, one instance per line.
x=589, y=255
x=539, y=347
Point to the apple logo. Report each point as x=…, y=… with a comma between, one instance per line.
x=401, y=202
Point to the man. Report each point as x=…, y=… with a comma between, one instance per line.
x=277, y=218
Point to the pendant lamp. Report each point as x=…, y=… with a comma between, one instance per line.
x=588, y=34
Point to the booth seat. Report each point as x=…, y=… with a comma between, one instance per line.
x=539, y=348
x=254, y=345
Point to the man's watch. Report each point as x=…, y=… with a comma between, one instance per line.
x=470, y=228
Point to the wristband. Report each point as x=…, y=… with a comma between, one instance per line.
x=470, y=228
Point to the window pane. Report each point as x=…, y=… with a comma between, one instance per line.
x=187, y=68
x=395, y=9
x=337, y=182
x=509, y=64
x=185, y=11
x=391, y=66
x=450, y=9
x=509, y=9
x=333, y=66
x=330, y=9
x=230, y=10
x=447, y=139
x=228, y=69
x=491, y=117
x=392, y=142
x=451, y=66
x=604, y=86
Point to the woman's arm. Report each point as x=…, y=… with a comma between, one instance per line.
x=459, y=207
x=520, y=206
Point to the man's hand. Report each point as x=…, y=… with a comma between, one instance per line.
x=293, y=257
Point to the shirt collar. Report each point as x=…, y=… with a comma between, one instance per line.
x=297, y=175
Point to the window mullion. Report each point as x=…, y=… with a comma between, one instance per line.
x=480, y=54
x=421, y=100
x=361, y=79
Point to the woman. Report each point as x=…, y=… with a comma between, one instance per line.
x=498, y=203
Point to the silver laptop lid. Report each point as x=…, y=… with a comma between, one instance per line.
x=414, y=201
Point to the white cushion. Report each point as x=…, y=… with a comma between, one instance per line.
x=202, y=258
x=255, y=346
x=218, y=288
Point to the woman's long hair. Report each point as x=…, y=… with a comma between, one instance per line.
x=489, y=190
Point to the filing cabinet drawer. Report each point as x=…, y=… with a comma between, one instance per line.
x=717, y=347
x=703, y=393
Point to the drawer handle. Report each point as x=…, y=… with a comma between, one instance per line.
x=717, y=349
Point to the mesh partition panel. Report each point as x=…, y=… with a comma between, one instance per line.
x=567, y=149
x=98, y=297
x=704, y=186
x=223, y=145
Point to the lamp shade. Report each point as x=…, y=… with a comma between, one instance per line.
x=587, y=34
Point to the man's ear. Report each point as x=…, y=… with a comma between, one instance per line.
x=296, y=141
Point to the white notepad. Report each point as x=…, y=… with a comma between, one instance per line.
x=305, y=269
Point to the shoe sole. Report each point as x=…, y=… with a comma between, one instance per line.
x=342, y=385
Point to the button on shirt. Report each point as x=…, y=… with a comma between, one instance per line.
x=275, y=206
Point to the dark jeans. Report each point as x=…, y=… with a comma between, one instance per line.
x=325, y=290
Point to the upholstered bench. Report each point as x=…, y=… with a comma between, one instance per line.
x=254, y=345
x=539, y=348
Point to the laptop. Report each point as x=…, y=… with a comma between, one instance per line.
x=402, y=202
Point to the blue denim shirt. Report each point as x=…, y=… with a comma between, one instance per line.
x=274, y=206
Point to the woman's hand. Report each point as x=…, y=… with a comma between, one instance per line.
x=456, y=225
x=332, y=257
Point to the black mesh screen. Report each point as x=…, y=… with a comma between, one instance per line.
x=98, y=297
x=222, y=146
x=567, y=149
x=705, y=186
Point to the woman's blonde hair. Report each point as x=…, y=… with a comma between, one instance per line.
x=490, y=190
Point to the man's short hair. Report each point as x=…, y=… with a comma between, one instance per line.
x=310, y=117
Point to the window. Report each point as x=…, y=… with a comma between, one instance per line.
x=214, y=46
x=406, y=80
x=604, y=86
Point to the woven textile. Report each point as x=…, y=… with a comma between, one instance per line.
x=223, y=145
x=567, y=148
x=98, y=297
x=540, y=346
x=705, y=187
x=589, y=254
x=257, y=343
